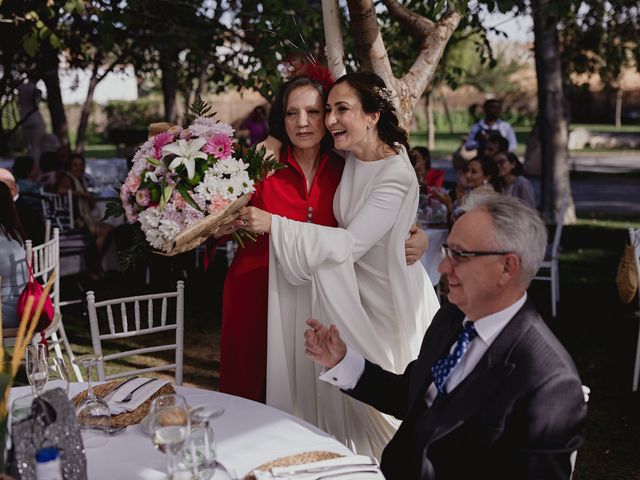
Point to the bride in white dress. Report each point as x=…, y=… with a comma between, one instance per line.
x=354, y=276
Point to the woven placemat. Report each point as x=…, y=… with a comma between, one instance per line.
x=124, y=419
x=297, y=459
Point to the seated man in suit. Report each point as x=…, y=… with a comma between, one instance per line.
x=493, y=393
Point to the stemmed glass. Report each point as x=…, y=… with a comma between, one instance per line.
x=199, y=451
x=36, y=366
x=93, y=413
x=58, y=374
x=169, y=426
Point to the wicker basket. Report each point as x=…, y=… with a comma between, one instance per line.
x=124, y=419
x=297, y=459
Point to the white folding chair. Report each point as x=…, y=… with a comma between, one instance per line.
x=122, y=326
x=45, y=260
x=634, y=240
x=58, y=208
x=549, y=269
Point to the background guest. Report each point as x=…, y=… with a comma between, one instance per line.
x=427, y=176
x=31, y=219
x=256, y=126
x=479, y=133
x=13, y=268
x=495, y=144
x=511, y=170
x=26, y=174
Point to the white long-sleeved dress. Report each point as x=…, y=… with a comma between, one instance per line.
x=355, y=276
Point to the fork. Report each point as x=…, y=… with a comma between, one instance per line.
x=129, y=396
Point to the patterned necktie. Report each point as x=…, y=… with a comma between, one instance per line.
x=441, y=370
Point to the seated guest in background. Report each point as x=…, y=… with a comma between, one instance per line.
x=482, y=175
x=255, y=126
x=427, y=176
x=31, y=220
x=480, y=131
x=493, y=393
x=495, y=144
x=49, y=170
x=13, y=268
x=84, y=204
x=26, y=174
x=511, y=170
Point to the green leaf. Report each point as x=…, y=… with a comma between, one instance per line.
x=184, y=193
x=260, y=165
x=30, y=44
x=166, y=196
x=153, y=161
x=113, y=209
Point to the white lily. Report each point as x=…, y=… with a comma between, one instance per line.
x=187, y=151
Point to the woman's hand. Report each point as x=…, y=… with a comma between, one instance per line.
x=227, y=228
x=415, y=245
x=255, y=220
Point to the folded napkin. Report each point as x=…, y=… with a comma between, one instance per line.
x=139, y=396
x=355, y=466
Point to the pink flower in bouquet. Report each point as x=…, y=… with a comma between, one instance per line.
x=143, y=197
x=132, y=183
x=219, y=146
x=178, y=201
x=217, y=203
x=160, y=141
x=185, y=134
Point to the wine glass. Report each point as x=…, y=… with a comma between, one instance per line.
x=169, y=426
x=93, y=413
x=36, y=366
x=199, y=451
x=58, y=374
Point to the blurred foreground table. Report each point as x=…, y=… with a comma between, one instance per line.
x=248, y=434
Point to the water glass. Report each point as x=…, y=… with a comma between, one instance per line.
x=37, y=367
x=199, y=451
x=93, y=413
x=169, y=427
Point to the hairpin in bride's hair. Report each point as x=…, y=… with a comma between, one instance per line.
x=384, y=93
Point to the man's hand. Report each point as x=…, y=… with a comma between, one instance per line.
x=415, y=245
x=323, y=345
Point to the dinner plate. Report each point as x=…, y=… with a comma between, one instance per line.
x=212, y=411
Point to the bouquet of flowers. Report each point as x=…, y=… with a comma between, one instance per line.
x=185, y=182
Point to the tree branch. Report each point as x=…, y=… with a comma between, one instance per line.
x=416, y=25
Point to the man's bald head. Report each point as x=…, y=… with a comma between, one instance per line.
x=7, y=177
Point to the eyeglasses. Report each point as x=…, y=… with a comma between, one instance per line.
x=458, y=255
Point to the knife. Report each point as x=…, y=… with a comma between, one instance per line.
x=123, y=383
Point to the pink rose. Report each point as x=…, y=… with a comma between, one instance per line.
x=160, y=141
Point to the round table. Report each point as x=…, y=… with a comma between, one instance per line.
x=248, y=434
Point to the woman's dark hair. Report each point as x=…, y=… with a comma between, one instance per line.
x=72, y=158
x=490, y=169
x=49, y=162
x=22, y=167
x=375, y=97
x=495, y=137
x=278, y=112
x=518, y=169
x=425, y=154
x=10, y=224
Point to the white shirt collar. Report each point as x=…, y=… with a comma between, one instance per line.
x=490, y=326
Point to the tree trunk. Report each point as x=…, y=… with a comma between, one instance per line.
x=334, y=49
x=431, y=127
x=87, y=107
x=447, y=112
x=552, y=119
x=373, y=54
x=619, y=108
x=54, y=99
x=168, y=65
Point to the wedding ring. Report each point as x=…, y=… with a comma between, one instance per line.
x=245, y=223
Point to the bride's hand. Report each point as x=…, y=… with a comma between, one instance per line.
x=415, y=245
x=323, y=345
x=255, y=220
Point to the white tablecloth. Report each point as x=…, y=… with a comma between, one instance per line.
x=248, y=434
x=433, y=256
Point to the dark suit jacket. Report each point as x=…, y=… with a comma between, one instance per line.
x=518, y=415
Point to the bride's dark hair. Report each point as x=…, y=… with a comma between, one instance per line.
x=376, y=97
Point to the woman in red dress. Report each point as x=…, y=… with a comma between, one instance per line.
x=304, y=192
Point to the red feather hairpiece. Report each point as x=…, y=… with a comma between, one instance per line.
x=314, y=71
